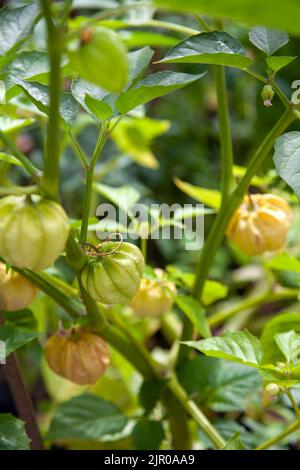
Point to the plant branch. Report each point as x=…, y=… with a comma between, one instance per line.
x=78, y=150
x=69, y=304
x=34, y=172
x=295, y=426
x=227, y=179
x=52, y=150
x=193, y=410
x=19, y=190
x=102, y=138
x=251, y=302
x=178, y=28
x=22, y=400
x=290, y=396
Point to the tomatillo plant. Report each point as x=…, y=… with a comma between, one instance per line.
x=198, y=346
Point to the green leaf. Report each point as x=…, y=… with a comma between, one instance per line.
x=153, y=86
x=25, y=65
x=209, y=48
x=195, y=313
x=287, y=159
x=21, y=319
x=279, y=324
x=210, y=197
x=138, y=62
x=15, y=25
x=284, y=262
x=268, y=40
x=135, y=136
x=289, y=345
x=235, y=442
x=86, y=417
x=277, y=63
x=275, y=377
x=97, y=102
x=8, y=124
x=268, y=12
x=147, y=435
x=14, y=338
x=150, y=393
x=12, y=433
x=239, y=172
x=39, y=95
x=219, y=385
x=123, y=196
x=239, y=346
x=98, y=109
x=4, y=157
x=213, y=291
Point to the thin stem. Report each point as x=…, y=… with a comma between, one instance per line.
x=103, y=135
x=256, y=75
x=138, y=345
x=295, y=426
x=19, y=190
x=193, y=410
x=291, y=397
x=52, y=151
x=218, y=229
x=227, y=179
x=219, y=318
x=86, y=205
x=280, y=93
x=178, y=28
x=70, y=305
x=272, y=82
x=78, y=150
x=34, y=172
x=22, y=400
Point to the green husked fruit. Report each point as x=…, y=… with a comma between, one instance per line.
x=33, y=233
x=114, y=278
x=100, y=57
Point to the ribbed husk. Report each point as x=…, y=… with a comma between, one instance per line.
x=32, y=233
x=80, y=357
x=115, y=278
x=260, y=224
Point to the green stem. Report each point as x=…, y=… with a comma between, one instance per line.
x=193, y=410
x=52, y=151
x=103, y=135
x=222, y=219
x=19, y=190
x=70, y=305
x=86, y=205
x=178, y=422
x=294, y=403
x=219, y=318
x=227, y=179
x=272, y=82
x=78, y=150
x=178, y=28
x=295, y=426
x=34, y=172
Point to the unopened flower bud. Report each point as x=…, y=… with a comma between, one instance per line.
x=267, y=95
